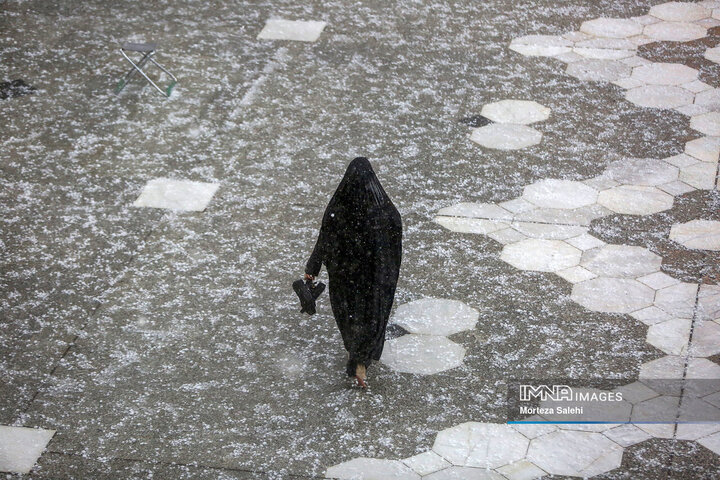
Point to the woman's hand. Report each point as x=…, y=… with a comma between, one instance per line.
x=309, y=277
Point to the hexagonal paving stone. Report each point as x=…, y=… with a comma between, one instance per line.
x=701, y=175
x=659, y=96
x=541, y=45
x=621, y=261
x=701, y=234
x=506, y=136
x=611, y=27
x=677, y=300
x=680, y=12
x=371, y=469
x=580, y=454
x=635, y=200
x=522, y=470
x=704, y=149
x=426, y=463
x=664, y=74
x=435, y=316
x=708, y=123
x=614, y=295
x=541, y=255
x=515, y=111
x=671, y=336
x=560, y=194
x=485, y=445
x=642, y=171
x=598, y=70
x=675, y=31
x=423, y=354
x=713, y=54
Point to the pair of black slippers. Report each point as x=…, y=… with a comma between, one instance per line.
x=308, y=292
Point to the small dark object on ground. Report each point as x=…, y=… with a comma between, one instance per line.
x=308, y=292
x=15, y=88
x=475, y=121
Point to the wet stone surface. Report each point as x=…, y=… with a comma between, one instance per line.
x=170, y=343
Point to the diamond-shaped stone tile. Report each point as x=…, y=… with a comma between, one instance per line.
x=651, y=315
x=665, y=74
x=667, y=367
x=635, y=200
x=426, y=463
x=671, y=336
x=626, y=435
x=303, y=31
x=521, y=470
x=541, y=255
x=548, y=231
x=675, y=31
x=642, y=171
x=423, y=354
x=553, y=193
x=621, y=261
x=707, y=123
x=576, y=274
x=506, y=136
x=585, y=241
x=680, y=12
x=659, y=96
x=371, y=468
x=180, y=195
x=658, y=280
x=594, y=70
x=485, y=445
x=615, y=295
x=603, y=53
x=580, y=454
x=435, y=316
x=515, y=111
x=20, y=447
x=677, y=300
x=701, y=234
x=611, y=27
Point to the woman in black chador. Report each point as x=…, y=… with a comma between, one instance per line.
x=360, y=243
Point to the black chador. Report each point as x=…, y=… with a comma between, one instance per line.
x=360, y=243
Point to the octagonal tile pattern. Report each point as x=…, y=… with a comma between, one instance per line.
x=511, y=132
x=664, y=74
x=425, y=350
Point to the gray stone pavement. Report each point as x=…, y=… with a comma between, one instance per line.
x=170, y=343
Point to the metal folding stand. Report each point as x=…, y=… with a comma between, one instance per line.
x=148, y=51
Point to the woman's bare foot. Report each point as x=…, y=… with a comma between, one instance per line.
x=361, y=376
